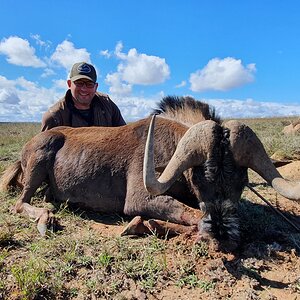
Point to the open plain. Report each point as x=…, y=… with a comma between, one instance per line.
x=87, y=259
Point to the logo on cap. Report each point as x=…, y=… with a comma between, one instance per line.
x=84, y=68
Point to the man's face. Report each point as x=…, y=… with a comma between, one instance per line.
x=83, y=92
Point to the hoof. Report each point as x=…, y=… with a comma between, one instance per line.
x=42, y=228
x=135, y=227
x=45, y=223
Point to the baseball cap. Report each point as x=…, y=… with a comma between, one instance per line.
x=83, y=70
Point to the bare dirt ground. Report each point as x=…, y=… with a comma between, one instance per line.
x=267, y=265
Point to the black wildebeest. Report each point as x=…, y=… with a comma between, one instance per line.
x=204, y=167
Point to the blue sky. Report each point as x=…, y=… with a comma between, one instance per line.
x=242, y=57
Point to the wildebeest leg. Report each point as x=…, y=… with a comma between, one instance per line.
x=163, y=207
x=37, y=159
x=163, y=228
x=169, y=209
x=42, y=216
x=36, y=172
x=138, y=226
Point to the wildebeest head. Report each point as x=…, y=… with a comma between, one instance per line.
x=217, y=159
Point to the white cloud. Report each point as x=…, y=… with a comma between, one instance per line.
x=5, y=83
x=23, y=100
x=105, y=53
x=60, y=84
x=19, y=52
x=144, y=69
x=222, y=75
x=26, y=84
x=118, y=87
x=137, y=69
x=118, y=51
x=40, y=42
x=181, y=84
x=66, y=55
x=7, y=116
x=8, y=96
x=249, y=108
x=47, y=72
x=136, y=108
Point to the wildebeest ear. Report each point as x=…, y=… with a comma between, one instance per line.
x=280, y=163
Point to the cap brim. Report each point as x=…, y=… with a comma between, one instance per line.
x=74, y=78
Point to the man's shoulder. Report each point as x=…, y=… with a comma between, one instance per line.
x=60, y=105
x=103, y=101
x=102, y=96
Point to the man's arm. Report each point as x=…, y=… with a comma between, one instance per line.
x=117, y=119
x=49, y=121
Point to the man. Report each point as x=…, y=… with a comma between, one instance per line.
x=83, y=105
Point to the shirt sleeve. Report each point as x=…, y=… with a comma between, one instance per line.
x=117, y=119
x=49, y=121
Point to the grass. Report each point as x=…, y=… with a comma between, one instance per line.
x=269, y=132
x=80, y=262
x=53, y=266
x=13, y=137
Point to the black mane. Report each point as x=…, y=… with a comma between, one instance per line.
x=170, y=105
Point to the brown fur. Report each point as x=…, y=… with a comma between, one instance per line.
x=100, y=168
x=12, y=177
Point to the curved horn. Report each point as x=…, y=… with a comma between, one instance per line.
x=248, y=151
x=192, y=150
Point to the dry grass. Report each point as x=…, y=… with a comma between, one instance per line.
x=269, y=131
x=13, y=137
